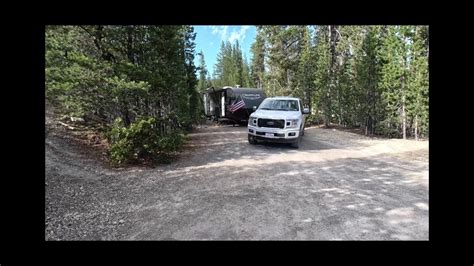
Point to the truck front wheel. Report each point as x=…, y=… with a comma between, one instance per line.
x=296, y=144
x=252, y=140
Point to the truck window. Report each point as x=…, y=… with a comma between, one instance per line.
x=280, y=105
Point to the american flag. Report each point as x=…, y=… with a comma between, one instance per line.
x=236, y=105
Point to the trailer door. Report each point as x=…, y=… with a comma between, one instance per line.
x=223, y=105
x=206, y=109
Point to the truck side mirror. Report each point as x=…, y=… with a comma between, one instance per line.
x=254, y=108
x=306, y=111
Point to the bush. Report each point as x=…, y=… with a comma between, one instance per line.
x=387, y=130
x=141, y=141
x=314, y=119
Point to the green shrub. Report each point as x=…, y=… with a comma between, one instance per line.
x=314, y=119
x=141, y=141
x=388, y=129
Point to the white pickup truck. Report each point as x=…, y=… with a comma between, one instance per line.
x=278, y=119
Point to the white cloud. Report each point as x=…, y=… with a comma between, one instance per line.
x=240, y=35
x=221, y=30
x=234, y=36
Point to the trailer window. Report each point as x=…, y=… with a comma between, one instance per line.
x=231, y=99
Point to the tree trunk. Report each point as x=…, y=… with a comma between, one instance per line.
x=372, y=132
x=126, y=115
x=331, y=70
x=130, y=54
x=326, y=120
x=416, y=128
x=404, y=122
x=369, y=124
x=339, y=103
x=340, y=115
x=366, y=123
x=374, y=110
x=310, y=105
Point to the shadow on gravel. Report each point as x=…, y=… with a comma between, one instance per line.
x=368, y=198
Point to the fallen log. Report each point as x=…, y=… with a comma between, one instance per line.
x=66, y=125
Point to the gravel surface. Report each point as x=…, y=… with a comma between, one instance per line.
x=337, y=186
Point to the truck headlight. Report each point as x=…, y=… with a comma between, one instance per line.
x=252, y=121
x=292, y=123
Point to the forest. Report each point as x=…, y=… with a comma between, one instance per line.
x=139, y=87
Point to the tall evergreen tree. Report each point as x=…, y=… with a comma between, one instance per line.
x=258, y=59
x=130, y=73
x=238, y=75
x=306, y=68
x=323, y=72
x=284, y=50
x=202, y=85
x=394, y=77
x=191, y=80
x=209, y=82
x=375, y=77
x=368, y=68
x=247, y=80
x=230, y=66
x=417, y=94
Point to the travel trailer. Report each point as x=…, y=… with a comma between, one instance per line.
x=231, y=103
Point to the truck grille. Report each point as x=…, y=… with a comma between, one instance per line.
x=275, y=123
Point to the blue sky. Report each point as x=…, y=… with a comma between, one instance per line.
x=208, y=39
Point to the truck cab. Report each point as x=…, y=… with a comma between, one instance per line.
x=278, y=119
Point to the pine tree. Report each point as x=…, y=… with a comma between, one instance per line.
x=375, y=77
x=238, y=75
x=258, y=59
x=417, y=92
x=306, y=68
x=230, y=66
x=202, y=85
x=394, y=71
x=323, y=72
x=368, y=72
x=247, y=81
x=284, y=45
x=120, y=71
x=209, y=82
x=191, y=81
x=224, y=67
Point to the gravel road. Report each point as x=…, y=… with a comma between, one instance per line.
x=337, y=186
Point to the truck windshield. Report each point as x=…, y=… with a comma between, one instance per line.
x=280, y=105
